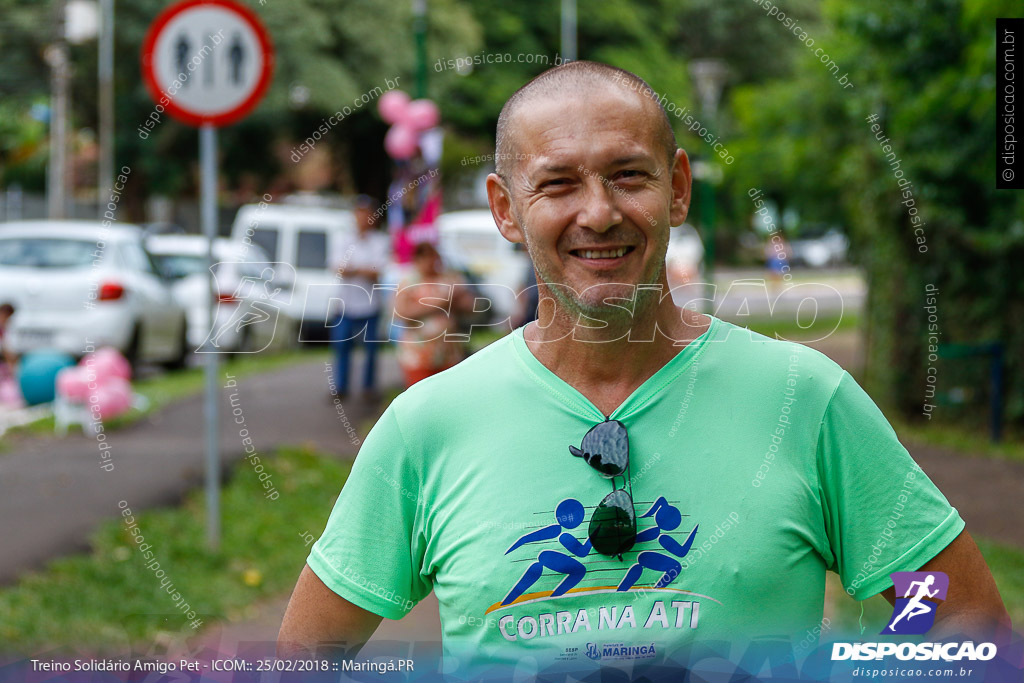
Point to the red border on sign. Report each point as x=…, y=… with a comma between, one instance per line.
x=184, y=115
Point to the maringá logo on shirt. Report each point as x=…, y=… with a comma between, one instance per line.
x=599, y=651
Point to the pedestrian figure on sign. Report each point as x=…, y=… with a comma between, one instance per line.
x=208, y=69
x=181, y=49
x=237, y=55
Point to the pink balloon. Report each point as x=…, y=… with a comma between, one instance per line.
x=401, y=142
x=421, y=115
x=108, y=362
x=113, y=397
x=73, y=383
x=392, y=105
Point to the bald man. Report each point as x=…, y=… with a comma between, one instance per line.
x=622, y=478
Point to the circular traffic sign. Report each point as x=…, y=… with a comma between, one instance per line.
x=207, y=61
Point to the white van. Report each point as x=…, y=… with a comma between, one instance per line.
x=471, y=239
x=304, y=237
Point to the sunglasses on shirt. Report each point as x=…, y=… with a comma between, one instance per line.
x=613, y=525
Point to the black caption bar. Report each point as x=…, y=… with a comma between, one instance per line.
x=1009, y=34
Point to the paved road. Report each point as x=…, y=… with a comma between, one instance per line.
x=53, y=492
x=985, y=491
x=744, y=293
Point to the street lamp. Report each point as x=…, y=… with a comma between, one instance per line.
x=709, y=76
x=105, y=74
x=419, y=29
x=79, y=21
x=568, y=30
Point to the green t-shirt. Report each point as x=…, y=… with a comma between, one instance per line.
x=755, y=466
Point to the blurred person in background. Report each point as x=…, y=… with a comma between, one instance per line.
x=7, y=357
x=359, y=261
x=777, y=256
x=428, y=299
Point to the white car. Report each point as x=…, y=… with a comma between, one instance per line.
x=249, y=316
x=683, y=263
x=471, y=239
x=818, y=246
x=305, y=238
x=76, y=284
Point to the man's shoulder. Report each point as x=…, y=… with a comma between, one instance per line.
x=762, y=357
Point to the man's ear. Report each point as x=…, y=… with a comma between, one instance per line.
x=499, y=198
x=681, y=186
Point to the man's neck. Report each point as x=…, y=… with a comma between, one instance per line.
x=606, y=365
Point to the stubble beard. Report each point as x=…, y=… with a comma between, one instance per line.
x=573, y=310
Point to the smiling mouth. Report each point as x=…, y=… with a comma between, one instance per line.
x=615, y=253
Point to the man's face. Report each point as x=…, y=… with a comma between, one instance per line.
x=364, y=219
x=426, y=262
x=594, y=196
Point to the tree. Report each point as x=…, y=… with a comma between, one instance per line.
x=336, y=50
x=926, y=73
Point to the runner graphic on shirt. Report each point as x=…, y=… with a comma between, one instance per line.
x=916, y=607
x=666, y=518
x=569, y=515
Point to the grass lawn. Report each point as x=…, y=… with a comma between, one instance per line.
x=788, y=328
x=1007, y=564
x=171, y=386
x=108, y=600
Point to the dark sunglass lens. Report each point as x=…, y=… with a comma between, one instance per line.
x=605, y=448
x=613, y=524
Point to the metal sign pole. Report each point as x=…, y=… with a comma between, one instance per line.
x=208, y=215
x=105, y=182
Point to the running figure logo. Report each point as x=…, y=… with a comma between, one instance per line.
x=569, y=515
x=917, y=594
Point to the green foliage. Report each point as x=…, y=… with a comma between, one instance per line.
x=109, y=601
x=1007, y=565
x=337, y=50
x=756, y=47
x=23, y=145
x=23, y=150
x=926, y=70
